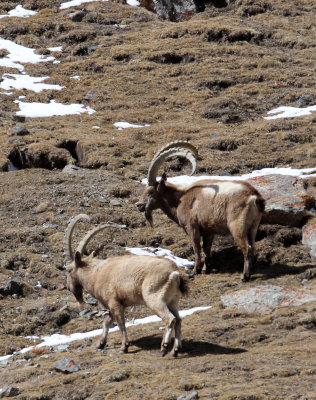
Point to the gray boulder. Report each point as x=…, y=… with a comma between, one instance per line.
x=287, y=202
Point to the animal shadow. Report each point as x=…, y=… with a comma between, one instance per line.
x=190, y=348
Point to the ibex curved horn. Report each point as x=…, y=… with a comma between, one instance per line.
x=179, y=144
x=84, y=242
x=179, y=149
x=68, y=234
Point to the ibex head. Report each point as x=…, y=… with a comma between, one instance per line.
x=153, y=195
x=78, y=260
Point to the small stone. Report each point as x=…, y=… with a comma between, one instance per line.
x=90, y=95
x=49, y=225
x=19, y=130
x=115, y=203
x=42, y=207
x=66, y=366
x=304, y=100
x=60, y=348
x=191, y=396
x=92, y=301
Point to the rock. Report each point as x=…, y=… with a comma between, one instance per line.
x=265, y=298
x=61, y=348
x=88, y=313
x=191, y=396
x=287, y=202
x=18, y=118
x=309, y=238
x=66, y=366
x=304, y=100
x=8, y=391
x=115, y=203
x=19, y=130
x=174, y=10
x=42, y=207
x=14, y=287
x=92, y=301
x=76, y=16
x=90, y=95
x=73, y=169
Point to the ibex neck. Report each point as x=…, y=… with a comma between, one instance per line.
x=170, y=201
x=86, y=276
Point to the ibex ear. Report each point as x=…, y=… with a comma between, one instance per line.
x=78, y=262
x=161, y=185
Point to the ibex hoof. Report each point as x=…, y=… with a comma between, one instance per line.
x=245, y=278
x=164, y=349
x=206, y=271
x=174, y=353
x=124, y=351
x=100, y=345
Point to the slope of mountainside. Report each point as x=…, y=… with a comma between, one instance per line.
x=105, y=86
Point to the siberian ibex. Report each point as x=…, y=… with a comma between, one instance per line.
x=204, y=208
x=124, y=281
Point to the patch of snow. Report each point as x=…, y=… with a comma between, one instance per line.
x=95, y=127
x=57, y=48
x=124, y=125
x=34, y=110
x=290, y=112
x=57, y=339
x=75, y=77
x=15, y=81
x=266, y=298
x=19, y=11
x=188, y=180
x=160, y=252
x=133, y=3
x=19, y=55
x=74, y=3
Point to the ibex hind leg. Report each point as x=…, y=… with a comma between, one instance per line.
x=170, y=320
x=207, y=246
x=177, y=328
x=241, y=238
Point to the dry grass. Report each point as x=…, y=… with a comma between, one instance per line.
x=210, y=80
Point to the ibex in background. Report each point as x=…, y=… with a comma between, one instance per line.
x=204, y=208
x=124, y=281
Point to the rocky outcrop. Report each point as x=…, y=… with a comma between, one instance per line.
x=178, y=10
x=287, y=202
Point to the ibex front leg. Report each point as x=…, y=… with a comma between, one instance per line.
x=117, y=311
x=106, y=326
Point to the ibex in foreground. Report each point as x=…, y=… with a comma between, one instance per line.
x=204, y=208
x=124, y=281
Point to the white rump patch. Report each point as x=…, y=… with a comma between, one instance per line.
x=222, y=188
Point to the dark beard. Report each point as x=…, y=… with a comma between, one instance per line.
x=149, y=217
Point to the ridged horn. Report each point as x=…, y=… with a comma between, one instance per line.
x=68, y=234
x=187, y=153
x=84, y=242
x=179, y=144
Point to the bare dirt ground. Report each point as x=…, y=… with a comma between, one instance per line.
x=209, y=80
